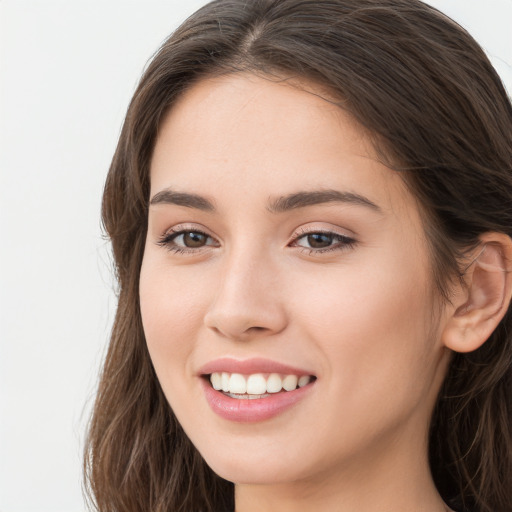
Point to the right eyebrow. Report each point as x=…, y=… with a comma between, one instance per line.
x=168, y=196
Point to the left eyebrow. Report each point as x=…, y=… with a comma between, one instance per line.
x=310, y=198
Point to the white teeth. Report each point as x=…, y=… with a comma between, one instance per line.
x=305, y=379
x=237, y=384
x=274, y=383
x=225, y=382
x=256, y=385
x=290, y=382
x=216, y=380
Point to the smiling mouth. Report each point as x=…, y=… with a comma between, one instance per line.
x=257, y=385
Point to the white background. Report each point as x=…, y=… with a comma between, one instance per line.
x=68, y=69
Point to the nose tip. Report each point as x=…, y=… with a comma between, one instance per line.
x=246, y=306
x=236, y=326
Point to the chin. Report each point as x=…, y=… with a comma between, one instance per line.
x=246, y=472
x=259, y=465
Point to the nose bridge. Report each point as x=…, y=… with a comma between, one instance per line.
x=247, y=301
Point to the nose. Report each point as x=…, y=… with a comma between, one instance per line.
x=248, y=302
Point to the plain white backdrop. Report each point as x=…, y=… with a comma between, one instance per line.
x=67, y=72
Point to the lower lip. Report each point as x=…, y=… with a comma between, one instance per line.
x=252, y=410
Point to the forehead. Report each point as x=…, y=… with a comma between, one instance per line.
x=251, y=136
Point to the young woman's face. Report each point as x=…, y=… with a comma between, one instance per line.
x=281, y=252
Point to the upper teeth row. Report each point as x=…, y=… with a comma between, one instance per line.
x=257, y=383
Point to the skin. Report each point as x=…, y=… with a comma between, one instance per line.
x=360, y=316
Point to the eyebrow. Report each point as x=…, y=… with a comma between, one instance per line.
x=168, y=196
x=303, y=199
x=279, y=205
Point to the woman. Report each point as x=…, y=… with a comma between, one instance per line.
x=310, y=208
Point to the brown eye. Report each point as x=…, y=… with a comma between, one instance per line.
x=319, y=240
x=193, y=239
x=183, y=241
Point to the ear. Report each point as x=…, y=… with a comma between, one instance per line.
x=484, y=298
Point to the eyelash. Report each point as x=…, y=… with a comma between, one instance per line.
x=167, y=240
x=339, y=242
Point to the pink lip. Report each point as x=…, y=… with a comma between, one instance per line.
x=254, y=410
x=251, y=410
x=250, y=366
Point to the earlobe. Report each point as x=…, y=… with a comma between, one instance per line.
x=485, y=296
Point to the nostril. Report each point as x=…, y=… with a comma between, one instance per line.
x=243, y=319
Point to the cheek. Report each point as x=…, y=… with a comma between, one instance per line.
x=172, y=311
x=373, y=323
x=365, y=296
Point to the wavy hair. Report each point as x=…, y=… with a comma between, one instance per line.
x=436, y=110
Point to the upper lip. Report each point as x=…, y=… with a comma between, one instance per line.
x=250, y=366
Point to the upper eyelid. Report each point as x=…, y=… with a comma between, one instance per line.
x=185, y=227
x=304, y=230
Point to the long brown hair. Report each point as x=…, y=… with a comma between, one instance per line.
x=439, y=114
